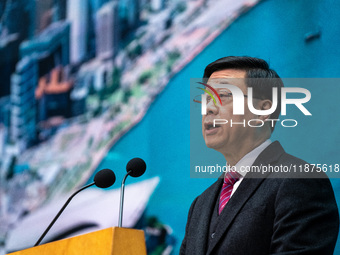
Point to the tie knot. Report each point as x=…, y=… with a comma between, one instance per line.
x=231, y=177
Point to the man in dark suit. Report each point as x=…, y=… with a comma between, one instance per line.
x=274, y=212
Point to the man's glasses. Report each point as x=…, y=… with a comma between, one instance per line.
x=225, y=96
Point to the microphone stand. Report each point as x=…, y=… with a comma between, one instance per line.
x=60, y=212
x=122, y=199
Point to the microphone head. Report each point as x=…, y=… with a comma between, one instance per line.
x=104, y=178
x=137, y=167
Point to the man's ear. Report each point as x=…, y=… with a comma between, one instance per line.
x=265, y=105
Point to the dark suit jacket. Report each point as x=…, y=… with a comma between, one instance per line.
x=267, y=215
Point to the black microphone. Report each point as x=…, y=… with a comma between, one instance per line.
x=103, y=179
x=135, y=167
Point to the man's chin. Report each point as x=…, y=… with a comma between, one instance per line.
x=213, y=145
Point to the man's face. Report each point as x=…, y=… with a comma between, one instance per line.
x=225, y=138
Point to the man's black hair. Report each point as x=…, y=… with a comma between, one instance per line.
x=266, y=78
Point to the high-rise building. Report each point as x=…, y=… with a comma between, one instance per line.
x=43, y=15
x=53, y=95
x=51, y=45
x=17, y=17
x=23, y=103
x=59, y=7
x=5, y=111
x=15, y=26
x=3, y=135
x=5, y=107
x=129, y=11
x=9, y=56
x=133, y=13
x=97, y=4
x=77, y=14
x=107, y=31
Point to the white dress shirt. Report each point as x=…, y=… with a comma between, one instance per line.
x=248, y=160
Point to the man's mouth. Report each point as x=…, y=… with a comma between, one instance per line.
x=210, y=128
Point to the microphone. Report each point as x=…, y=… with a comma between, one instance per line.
x=103, y=179
x=135, y=167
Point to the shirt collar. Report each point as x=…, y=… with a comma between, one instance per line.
x=250, y=157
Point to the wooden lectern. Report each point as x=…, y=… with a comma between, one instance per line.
x=110, y=241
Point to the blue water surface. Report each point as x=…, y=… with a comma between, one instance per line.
x=273, y=30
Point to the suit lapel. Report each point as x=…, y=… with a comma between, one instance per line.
x=248, y=186
x=205, y=216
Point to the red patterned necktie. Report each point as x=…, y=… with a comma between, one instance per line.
x=229, y=180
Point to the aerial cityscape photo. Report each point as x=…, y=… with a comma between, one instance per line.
x=76, y=75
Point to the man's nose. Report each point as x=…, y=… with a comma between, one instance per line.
x=212, y=108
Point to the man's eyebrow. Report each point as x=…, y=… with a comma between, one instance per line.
x=221, y=81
